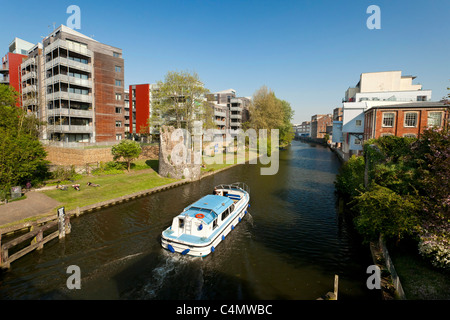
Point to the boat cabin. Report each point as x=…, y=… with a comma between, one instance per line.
x=201, y=218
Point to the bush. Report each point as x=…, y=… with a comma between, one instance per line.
x=350, y=180
x=382, y=211
x=436, y=248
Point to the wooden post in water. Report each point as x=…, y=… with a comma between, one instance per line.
x=336, y=284
x=62, y=222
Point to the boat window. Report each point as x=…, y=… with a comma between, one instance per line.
x=232, y=208
x=225, y=214
x=214, y=224
x=181, y=223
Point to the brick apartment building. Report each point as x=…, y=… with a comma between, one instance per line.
x=403, y=120
x=76, y=85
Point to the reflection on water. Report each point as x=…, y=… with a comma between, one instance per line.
x=290, y=246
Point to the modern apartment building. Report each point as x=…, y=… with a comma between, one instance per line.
x=75, y=84
x=126, y=111
x=373, y=89
x=230, y=112
x=303, y=129
x=10, y=73
x=403, y=120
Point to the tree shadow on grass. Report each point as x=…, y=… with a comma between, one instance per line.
x=154, y=164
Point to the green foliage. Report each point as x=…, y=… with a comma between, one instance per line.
x=127, y=150
x=350, y=180
x=179, y=101
x=22, y=157
x=382, y=211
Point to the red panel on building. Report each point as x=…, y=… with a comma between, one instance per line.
x=140, y=95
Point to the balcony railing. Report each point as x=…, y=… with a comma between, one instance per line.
x=236, y=116
x=70, y=112
x=220, y=114
x=29, y=89
x=29, y=61
x=236, y=108
x=68, y=96
x=70, y=128
x=69, y=46
x=29, y=75
x=67, y=62
x=69, y=80
x=220, y=122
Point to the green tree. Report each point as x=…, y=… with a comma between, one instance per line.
x=286, y=129
x=22, y=156
x=266, y=111
x=180, y=100
x=127, y=150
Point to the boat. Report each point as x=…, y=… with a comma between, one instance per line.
x=198, y=230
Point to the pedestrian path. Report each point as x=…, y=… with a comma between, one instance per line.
x=36, y=204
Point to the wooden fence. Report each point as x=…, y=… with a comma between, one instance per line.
x=36, y=233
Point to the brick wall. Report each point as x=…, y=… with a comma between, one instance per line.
x=79, y=157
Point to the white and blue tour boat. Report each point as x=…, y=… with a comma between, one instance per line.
x=204, y=224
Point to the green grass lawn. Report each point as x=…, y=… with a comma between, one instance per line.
x=111, y=186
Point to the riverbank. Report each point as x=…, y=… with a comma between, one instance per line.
x=113, y=189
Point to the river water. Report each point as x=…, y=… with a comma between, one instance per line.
x=290, y=246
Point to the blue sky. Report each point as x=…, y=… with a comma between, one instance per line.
x=307, y=52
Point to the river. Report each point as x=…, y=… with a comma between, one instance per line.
x=290, y=246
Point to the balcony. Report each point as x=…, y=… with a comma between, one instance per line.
x=4, y=79
x=220, y=122
x=29, y=75
x=70, y=112
x=220, y=114
x=236, y=116
x=236, y=108
x=235, y=124
x=60, y=43
x=68, y=96
x=29, y=89
x=69, y=80
x=28, y=62
x=70, y=128
x=68, y=63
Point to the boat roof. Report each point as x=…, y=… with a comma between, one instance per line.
x=210, y=205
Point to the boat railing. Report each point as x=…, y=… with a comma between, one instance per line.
x=234, y=186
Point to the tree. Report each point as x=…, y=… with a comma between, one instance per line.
x=22, y=156
x=180, y=100
x=286, y=129
x=266, y=111
x=127, y=150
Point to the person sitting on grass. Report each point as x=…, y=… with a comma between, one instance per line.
x=76, y=187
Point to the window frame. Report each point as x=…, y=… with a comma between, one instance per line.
x=405, y=119
x=383, y=120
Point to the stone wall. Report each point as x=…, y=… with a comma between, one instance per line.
x=167, y=167
x=80, y=157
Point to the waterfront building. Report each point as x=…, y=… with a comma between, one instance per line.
x=10, y=71
x=303, y=129
x=373, y=89
x=76, y=85
x=403, y=120
x=319, y=123
x=126, y=111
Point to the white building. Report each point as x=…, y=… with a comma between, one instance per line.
x=373, y=89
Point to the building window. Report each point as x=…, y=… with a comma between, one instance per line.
x=118, y=96
x=357, y=142
x=116, y=54
x=358, y=123
x=409, y=135
x=118, y=110
x=118, y=136
x=410, y=119
x=388, y=119
x=434, y=119
x=386, y=134
x=118, y=69
x=421, y=98
x=118, y=124
x=119, y=83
